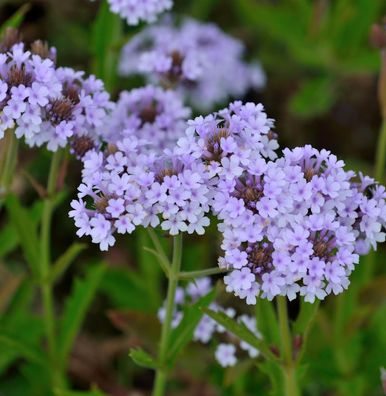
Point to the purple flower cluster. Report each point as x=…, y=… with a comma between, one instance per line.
x=128, y=187
x=228, y=141
x=133, y=183
x=198, y=59
x=45, y=104
x=135, y=11
x=152, y=114
x=225, y=353
x=297, y=225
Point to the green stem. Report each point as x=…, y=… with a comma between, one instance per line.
x=161, y=374
x=288, y=367
x=8, y=163
x=206, y=272
x=45, y=264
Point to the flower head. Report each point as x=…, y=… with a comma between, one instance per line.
x=196, y=58
x=135, y=11
x=128, y=188
x=152, y=114
x=297, y=226
x=46, y=104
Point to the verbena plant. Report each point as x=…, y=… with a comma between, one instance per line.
x=293, y=223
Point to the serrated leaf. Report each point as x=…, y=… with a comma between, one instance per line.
x=76, y=307
x=63, y=262
x=183, y=333
x=26, y=229
x=143, y=359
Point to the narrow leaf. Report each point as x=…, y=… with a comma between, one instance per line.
x=63, y=262
x=267, y=322
x=26, y=229
x=127, y=290
x=161, y=255
x=143, y=359
x=183, y=333
x=163, y=264
x=78, y=302
x=306, y=315
x=241, y=331
x=9, y=236
x=16, y=19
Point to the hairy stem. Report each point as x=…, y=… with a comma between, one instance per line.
x=45, y=263
x=161, y=374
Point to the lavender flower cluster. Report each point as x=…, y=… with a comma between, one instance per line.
x=135, y=11
x=229, y=140
x=134, y=184
x=225, y=352
x=128, y=186
x=197, y=59
x=297, y=225
x=45, y=104
x=291, y=225
x=152, y=114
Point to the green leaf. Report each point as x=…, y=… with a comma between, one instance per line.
x=62, y=263
x=9, y=239
x=78, y=302
x=143, y=359
x=107, y=31
x=26, y=229
x=275, y=374
x=306, y=315
x=267, y=322
x=127, y=290
x=241, y=331
x=183, y=333
x=314, y=98
x=24, y=350
x=16, y=19
x=9, y=236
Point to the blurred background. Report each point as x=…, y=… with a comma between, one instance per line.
x=321, y=90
